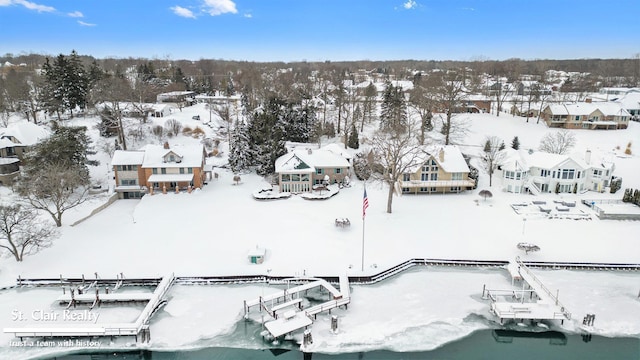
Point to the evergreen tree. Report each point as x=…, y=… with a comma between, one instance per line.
x=502, y=146
x=240, y=154
x=66, y=84
x=393, y=116
x=628, y=195
x=353, y=141
x=515, y=143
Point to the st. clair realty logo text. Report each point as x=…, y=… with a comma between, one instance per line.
x=55, y=316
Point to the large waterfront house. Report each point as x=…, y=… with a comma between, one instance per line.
x=443, y=170
x=587, y=115
x=157, y=168
x=299, y=170
x=539, y=172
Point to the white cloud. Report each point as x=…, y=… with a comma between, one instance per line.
x=85, y=24
x=28, y=4
x=33, y=6
x=248, y=16
x=76, y=14
x=219, y=7
x=184, y=12
x=410, y=4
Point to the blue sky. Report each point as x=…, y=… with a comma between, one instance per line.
x=319, y=30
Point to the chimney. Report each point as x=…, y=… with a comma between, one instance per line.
x=309, y=151
x=166, y=145
x=587, y=157
x=441, y=155
x=587, y=100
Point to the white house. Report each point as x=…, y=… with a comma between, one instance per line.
x=299, y=170
x=539, y=172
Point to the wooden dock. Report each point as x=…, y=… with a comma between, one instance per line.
x=533, y=302
x=140, y=326
x=284, y=307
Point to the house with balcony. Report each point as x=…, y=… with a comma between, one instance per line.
x=540, y=172
x=156, y=168
x=299, y=170
x=15, y=140
x=587, y=115
x=443, y=170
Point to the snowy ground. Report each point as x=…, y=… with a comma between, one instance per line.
x=211, y=231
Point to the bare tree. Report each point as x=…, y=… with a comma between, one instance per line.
x=493, y=155
x=395, y=153
x=172, y=127
x=450, y=92
x=558, y=142
x=112, y=91
x=22, y=232
x=56, y=188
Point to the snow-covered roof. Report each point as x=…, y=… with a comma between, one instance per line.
x=308, y=160
x=192, y=156
x=452, y=161
x=25, y=132
x=127, y=157
x=7, y=161
x=630, y=101
x=523, y=160
x=585, y=108
x=338, y=149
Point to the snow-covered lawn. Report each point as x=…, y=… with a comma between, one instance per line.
x=211, y=231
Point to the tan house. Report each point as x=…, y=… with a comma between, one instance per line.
x=157, y=168
x=587, y=115
x=444, y=170
x=299, y=170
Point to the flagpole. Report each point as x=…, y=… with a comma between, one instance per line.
x=365, y=205
x=362, y=268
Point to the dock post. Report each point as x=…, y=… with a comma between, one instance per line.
x=484, y=286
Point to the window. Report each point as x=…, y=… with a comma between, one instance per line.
x=577, y=117
x=338, y=171
x=190, y=170
x=181, y=170
x=568, y=173
x=434, y=177
x=456, y=176
x=508, y=174
x=154, y=170
x=518, y=176
x=597, y=172
x=455, y=189
x=163, y=170
x=128, y=182
x=285, y=177
x=424, y=177
x=406, y=177
x=319, y=171
x=425, y=168
x=304, y=177
x=295, y=177
x=434, y=168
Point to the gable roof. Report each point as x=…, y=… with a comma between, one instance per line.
x=192, y=156
x=25, y=132
x=127, y=157
x=298, y=160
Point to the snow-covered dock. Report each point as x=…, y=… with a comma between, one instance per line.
x=541, y=304
x=138, y=327
x=285, y=307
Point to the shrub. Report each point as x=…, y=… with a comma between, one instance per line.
x=198, y=132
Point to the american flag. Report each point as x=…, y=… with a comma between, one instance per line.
x=365, y=204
